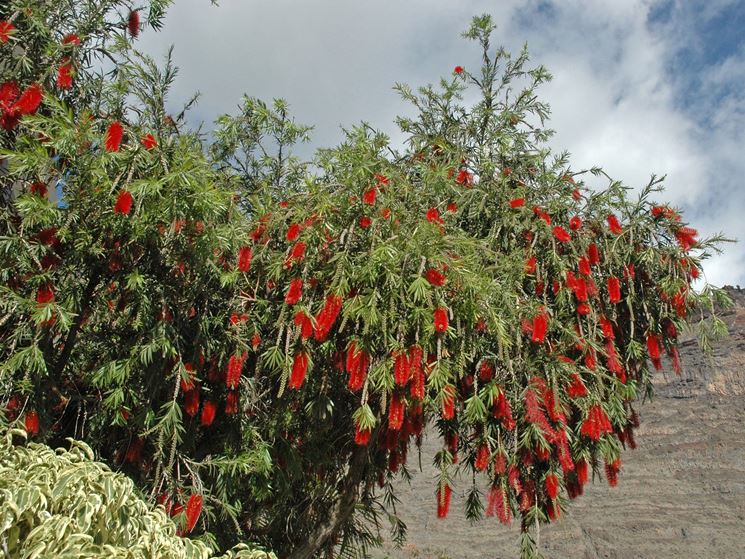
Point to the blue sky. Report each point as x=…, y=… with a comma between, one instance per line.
x=640, y=86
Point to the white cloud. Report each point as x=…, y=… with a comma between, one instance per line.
x=614, y=100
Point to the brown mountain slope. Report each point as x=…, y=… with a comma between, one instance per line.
x=681, y=493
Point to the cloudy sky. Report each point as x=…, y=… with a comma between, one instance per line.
x=640, y=86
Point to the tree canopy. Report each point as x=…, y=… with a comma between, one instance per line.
x=220, y=318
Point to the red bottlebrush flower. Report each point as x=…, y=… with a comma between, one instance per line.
x=133, y=23
x=458, y=70
x=443, y=501
x=327, y=316
x=6, y=30
x=297, y=252
x=38, y=188
x=614, y=289
x=452, y=207
x=517, y=203
x=497, y=505
x=48, y=237
x=433, y=216
x=148, y=141
x=584, y=266
x=64, y=74
x=576, y=195
x=577, y=388
x=552, y=486
x=542, y=215
x=583, y=309
x=293, y=232
x=530, y=265
x=416, y=372
x=607, y=328
x=441, y=320
x=191, y=403
x=593, y=254
x=561, y=234
x=611, y=471
x=448, y=402
x=500, y=464
x=188, y=383
x=299, y=368
x=255, y=340
x=535, y=415
x=686, y=237
x=486, y=371
x=435, y=277
x=235, y=367
x=357, y=363
x=134, y=450
x=123, y=203
x=614, y=224
x=503, y=411
x=370, y=196
x=305, y=323
x=613, y=363
x=31, y=422
x=71, y=39
x=563, y=453
x=540, y=327
x=231, y=403
x=581, y=470
x=294, y=292
x=381, y=180
x=193, y=510
x=482, y=458
x=575, y=224
x=395, y=413
x=464, y=177
x=208, y=413
x=361, y=436
x=365, y=222
x=401, y=368
x=596, y=424
x=29, y=100
x=653, y=348
x=245, y=255
x=45, y=294
x=114, y=134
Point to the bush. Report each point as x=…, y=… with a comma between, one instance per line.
x=64, y=504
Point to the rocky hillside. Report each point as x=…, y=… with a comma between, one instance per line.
x=681, y=492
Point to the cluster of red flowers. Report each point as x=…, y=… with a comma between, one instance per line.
x=14, y=104
x=596, y=424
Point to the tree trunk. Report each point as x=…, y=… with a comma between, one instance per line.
x=340, y=512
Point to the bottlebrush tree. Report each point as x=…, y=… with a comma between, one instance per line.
x=204, y=320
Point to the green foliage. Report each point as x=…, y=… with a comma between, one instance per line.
x=64, y=504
